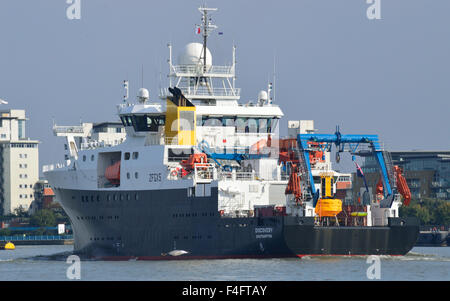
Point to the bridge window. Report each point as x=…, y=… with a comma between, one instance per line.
x=147, y=123
x=212, y=121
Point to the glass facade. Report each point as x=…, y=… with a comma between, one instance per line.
x=427, y=173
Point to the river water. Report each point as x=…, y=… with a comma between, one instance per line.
x=35, y=263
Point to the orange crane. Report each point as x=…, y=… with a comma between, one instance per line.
x=294, y=184
x=402, y=186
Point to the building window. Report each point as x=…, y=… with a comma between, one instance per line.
x=21, y=129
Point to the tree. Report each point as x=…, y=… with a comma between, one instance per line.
x=20, y=212
x=43, y=218
x=442, y=213
x=428, y=211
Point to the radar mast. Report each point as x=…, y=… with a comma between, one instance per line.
x=207, y=28
x=196, y=76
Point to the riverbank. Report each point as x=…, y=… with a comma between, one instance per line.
x=33, y=240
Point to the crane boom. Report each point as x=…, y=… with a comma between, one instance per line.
x=339, y=141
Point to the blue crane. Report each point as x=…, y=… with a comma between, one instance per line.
x=339, y=141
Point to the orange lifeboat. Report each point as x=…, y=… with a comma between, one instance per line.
x=112, y=173
x=193, y=159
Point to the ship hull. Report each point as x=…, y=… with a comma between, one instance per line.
x=150, y=225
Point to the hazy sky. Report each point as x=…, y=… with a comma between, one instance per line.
x=389, y=77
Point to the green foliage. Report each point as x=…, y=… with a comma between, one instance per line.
x=5, y=232
x=442, y=215
x=20, y=212
x=43, y=218
x=428, y=211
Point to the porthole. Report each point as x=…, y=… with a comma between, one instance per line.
x=84, y=158
x=92, y=157
x=136, y=175
x=135, y=155
x=126, y=156
x=128, y=175
x=136, y=196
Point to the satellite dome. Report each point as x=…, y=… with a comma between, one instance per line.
x=262, y=97
x=192, y=55
x=143, y=94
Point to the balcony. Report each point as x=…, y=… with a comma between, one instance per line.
x=197, y=70
x=206, y=93
x=68, y=129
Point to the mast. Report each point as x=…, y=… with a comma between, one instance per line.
x=198, y=81
x=207, y=28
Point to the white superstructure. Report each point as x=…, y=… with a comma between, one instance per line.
x=198, y=114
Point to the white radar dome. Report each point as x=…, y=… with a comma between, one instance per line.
x=262, y=97
x=193, y=54
x=143, y=94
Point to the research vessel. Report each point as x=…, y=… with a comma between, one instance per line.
x=201, y=175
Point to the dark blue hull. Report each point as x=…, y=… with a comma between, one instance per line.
x=151, y=224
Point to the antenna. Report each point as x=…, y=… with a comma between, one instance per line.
x=207, y=28
x=274, y=61
x=169, y=45
x=125, y=86
x=142, y=75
